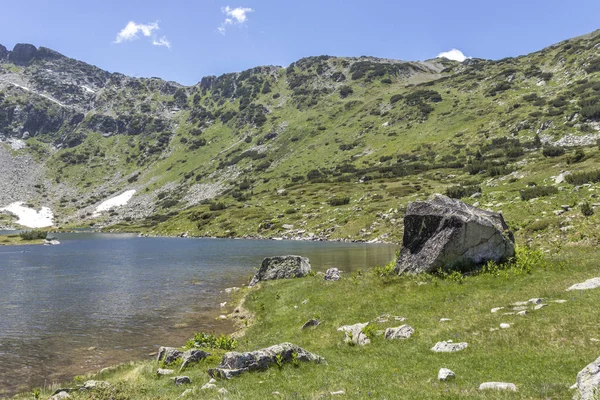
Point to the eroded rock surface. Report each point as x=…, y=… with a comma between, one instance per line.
x=588, y=382
x=443, y=233
x=449, y=347
x=332, y=274
x=354, y=333
x=401, y=332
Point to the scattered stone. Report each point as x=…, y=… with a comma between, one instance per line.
x=589, y=284
x=522, y=313
x=445, y=374
x=588, y=381
x=192, y=356
x=387, y=318
x=535, y=301
x=209, y=386
x=504, y=326
x=93, y=385
x=212, y=380
x=520, y=308
x=186, y=392
x=182, y=380
x=401, y=332
x=332, y=274
x=354, y=333
x=495, y=310
x=559, y=301
x=445, y=319
x=443, y=232
x=162, y=372
x=311, y=322
x=223, y=391
x=520, y=303
x=539, y=306
x=449, y=347
x=338, y=393
x=498, y=386
x=168, y=354
x=60, y=395
x=234, y=363
x=281, y=267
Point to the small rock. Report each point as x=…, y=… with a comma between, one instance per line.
x=223, y=304
x=182, y=380
x=311, y=322
x=504, y=326
x=445, y=374
x=92, y=385
x=212, y=380
x=535, y=301
x=589, y=284
x=222, y=391
x=304, y=301
x=401, y=332
x=355, y=334
x=445, y=319
x=449, y=347
x=60, y=395
x=192, y=356
x=495, y=310
x=162, y=372
x=168, y=354
x=522, y=313
x=520, y=308
x=559, y=301
x=588, y=381
x=539, y=306
x=498, y=386
x=338, y=393
x=332, y=274
x=209, y=386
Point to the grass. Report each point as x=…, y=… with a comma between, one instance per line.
x=541, y=353
x=16, y=239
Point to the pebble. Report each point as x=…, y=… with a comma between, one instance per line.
x=445, y=374
x=504, y=326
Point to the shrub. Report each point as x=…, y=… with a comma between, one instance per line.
x=339, y=201
x=586, y=209
x=458, y=192
x=578, y=156
x=553, y=151
x=208, y=340
x=33, y=235
x=345, y=91
x=579, y=178
x=396, y=98
x=217, y=206
x=537, y=191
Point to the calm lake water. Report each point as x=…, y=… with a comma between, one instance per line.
x=100, y=299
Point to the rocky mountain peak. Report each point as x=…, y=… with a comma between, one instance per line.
x=22, y=53
x=3, y=53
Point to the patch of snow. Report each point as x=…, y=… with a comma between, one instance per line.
x=30, y=217
x=116, y=201
x=87, y=89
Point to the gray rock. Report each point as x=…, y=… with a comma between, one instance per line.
x=337, y=393
x=163, y=372
x=539, y=306
x=93, y=385
x=281, y=267
x=535, y=301
x=192, y=356
x=449, y=347
x=234, y=363
x=495, y=310
x=446, y=233
x=168, y=354
x=354, y=334
x=22, y=53
x=60, y=395
x=332, y=274
x=186, y=393
x=209, y=386
x=401, y=332
x=498, y=386
x=182, y=380
x=589, y=284
x=588, y=382
x=3, y=53
x=311, y=322
x=445, y=374
x=223, y=391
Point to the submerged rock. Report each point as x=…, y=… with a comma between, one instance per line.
x=588, y=382
x=281, y=267
x=443, y=233
x=182, y=380
x=93, y=385
x=162, y=372
x=192, y=356
x=59, y=396
x=234, y=363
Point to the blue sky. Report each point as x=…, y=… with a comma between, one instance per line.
x=211, y=37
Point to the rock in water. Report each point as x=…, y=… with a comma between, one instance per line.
x=445, y=233
x=588, y=382
x=332, y=274
x=401, y=332
x=234, y=363
x=281, y=267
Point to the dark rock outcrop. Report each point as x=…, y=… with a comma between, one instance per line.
x=234, y=363
x=443, y=233
x=22, y=53
x=281, y=267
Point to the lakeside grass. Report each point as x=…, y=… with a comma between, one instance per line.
x=17, y=240
x=541, y=352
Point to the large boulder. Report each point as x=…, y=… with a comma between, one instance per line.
x=281, y=267
x=588, y=382
x=443, y=233
x=234, y=363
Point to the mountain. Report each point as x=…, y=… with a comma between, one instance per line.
x=327, y=148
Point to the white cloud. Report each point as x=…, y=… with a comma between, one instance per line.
x=133, y=31
x=163, y=41
x=235, y=16
x=454, y=54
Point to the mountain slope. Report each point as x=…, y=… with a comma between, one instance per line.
x=326, y=148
